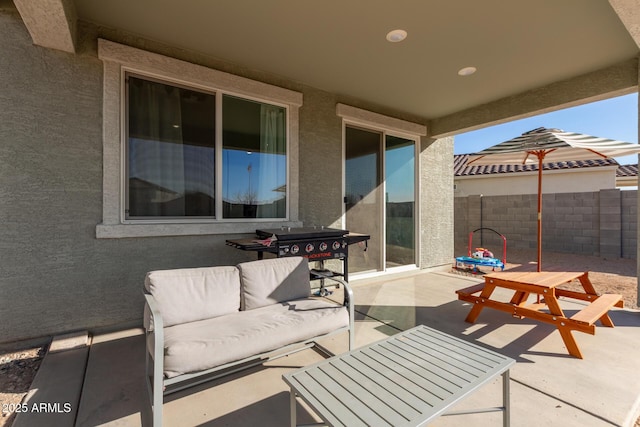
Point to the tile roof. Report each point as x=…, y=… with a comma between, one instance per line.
x=461, y=168
x=625, y=171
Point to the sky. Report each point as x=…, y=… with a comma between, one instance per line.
x=614, y=118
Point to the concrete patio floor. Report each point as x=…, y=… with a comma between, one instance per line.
x=548, y=387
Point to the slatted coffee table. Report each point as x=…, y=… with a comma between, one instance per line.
x=408, y=379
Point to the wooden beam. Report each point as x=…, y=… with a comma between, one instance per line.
x=51, y=23
x=629, y=14
x=616, y=80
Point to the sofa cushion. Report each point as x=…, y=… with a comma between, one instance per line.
x=273, y=280
x=190, y=294
x=205, y=344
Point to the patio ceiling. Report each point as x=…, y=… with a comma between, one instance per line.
x=531, y=55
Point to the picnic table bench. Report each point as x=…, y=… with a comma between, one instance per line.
x=546, y=308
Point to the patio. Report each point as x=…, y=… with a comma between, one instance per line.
x=548, y=387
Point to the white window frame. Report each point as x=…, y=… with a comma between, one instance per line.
x=120, y=59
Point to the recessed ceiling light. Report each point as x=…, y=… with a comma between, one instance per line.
x=396, y=36
x=467, y=71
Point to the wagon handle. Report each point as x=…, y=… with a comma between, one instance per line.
x=504, y=243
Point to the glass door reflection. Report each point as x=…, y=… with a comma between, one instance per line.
x=399, y=201
x=363, y=195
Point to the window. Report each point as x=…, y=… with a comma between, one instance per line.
x=189, y=150
x=254, y=159
x=170, y=151
x=171, y=146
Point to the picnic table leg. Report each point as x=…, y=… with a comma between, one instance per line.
x=570, y=342
x=519, y=297
x=586, y=283
x=589, y=289
x=563, y=328
x=606, y=320
x=477, y=307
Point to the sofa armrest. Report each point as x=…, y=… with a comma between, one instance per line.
x=155, y=327
x=349, y=304
x=155, y=350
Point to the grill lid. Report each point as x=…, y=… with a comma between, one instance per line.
x=301, y=233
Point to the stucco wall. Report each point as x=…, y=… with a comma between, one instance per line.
x=437, y=202
x=320, y=160
x=571, y=181
x=55, y=275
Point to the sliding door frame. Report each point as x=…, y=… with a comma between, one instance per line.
x=386, y=131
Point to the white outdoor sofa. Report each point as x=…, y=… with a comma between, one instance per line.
x=203, y=323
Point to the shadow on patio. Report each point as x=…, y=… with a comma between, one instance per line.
x=548, y=387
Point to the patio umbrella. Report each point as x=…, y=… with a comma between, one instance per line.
x=544, y=145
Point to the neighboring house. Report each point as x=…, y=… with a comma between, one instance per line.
x=135, y=137
x=627, y=177
x=560, y=177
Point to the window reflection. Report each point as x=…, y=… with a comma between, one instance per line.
x=171, y=154
x=171, y=151
x=400, y=201
x=254, y=159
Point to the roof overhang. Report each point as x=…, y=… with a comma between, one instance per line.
x=51, y=23
x=532, y=57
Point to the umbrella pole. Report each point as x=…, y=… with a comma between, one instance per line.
x=540, y=155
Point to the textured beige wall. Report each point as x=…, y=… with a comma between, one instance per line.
x=320, y=160
x=55, y=276
x=561, y=181
x=436, y=202
x=638, y=249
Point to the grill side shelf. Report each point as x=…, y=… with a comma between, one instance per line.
x=316, y=274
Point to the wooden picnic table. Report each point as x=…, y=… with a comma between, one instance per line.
x=545, y=286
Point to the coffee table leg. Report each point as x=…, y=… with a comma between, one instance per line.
x=506, y=416
x=292, y=403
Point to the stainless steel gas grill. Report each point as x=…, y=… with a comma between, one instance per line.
x=314, y=243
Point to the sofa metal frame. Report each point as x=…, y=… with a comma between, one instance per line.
x=158, y=386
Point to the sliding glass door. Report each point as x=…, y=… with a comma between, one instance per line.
x=400, y=201
x=380, y=198
x=363, y=195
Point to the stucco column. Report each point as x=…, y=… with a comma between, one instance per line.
x=436, y=202
x=638, y=219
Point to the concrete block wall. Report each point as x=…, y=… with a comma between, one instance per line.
x=514, y=216
x=460, y=222
x=610, y=224
x=570, y=223
x=629, y=213
x=600, y=223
